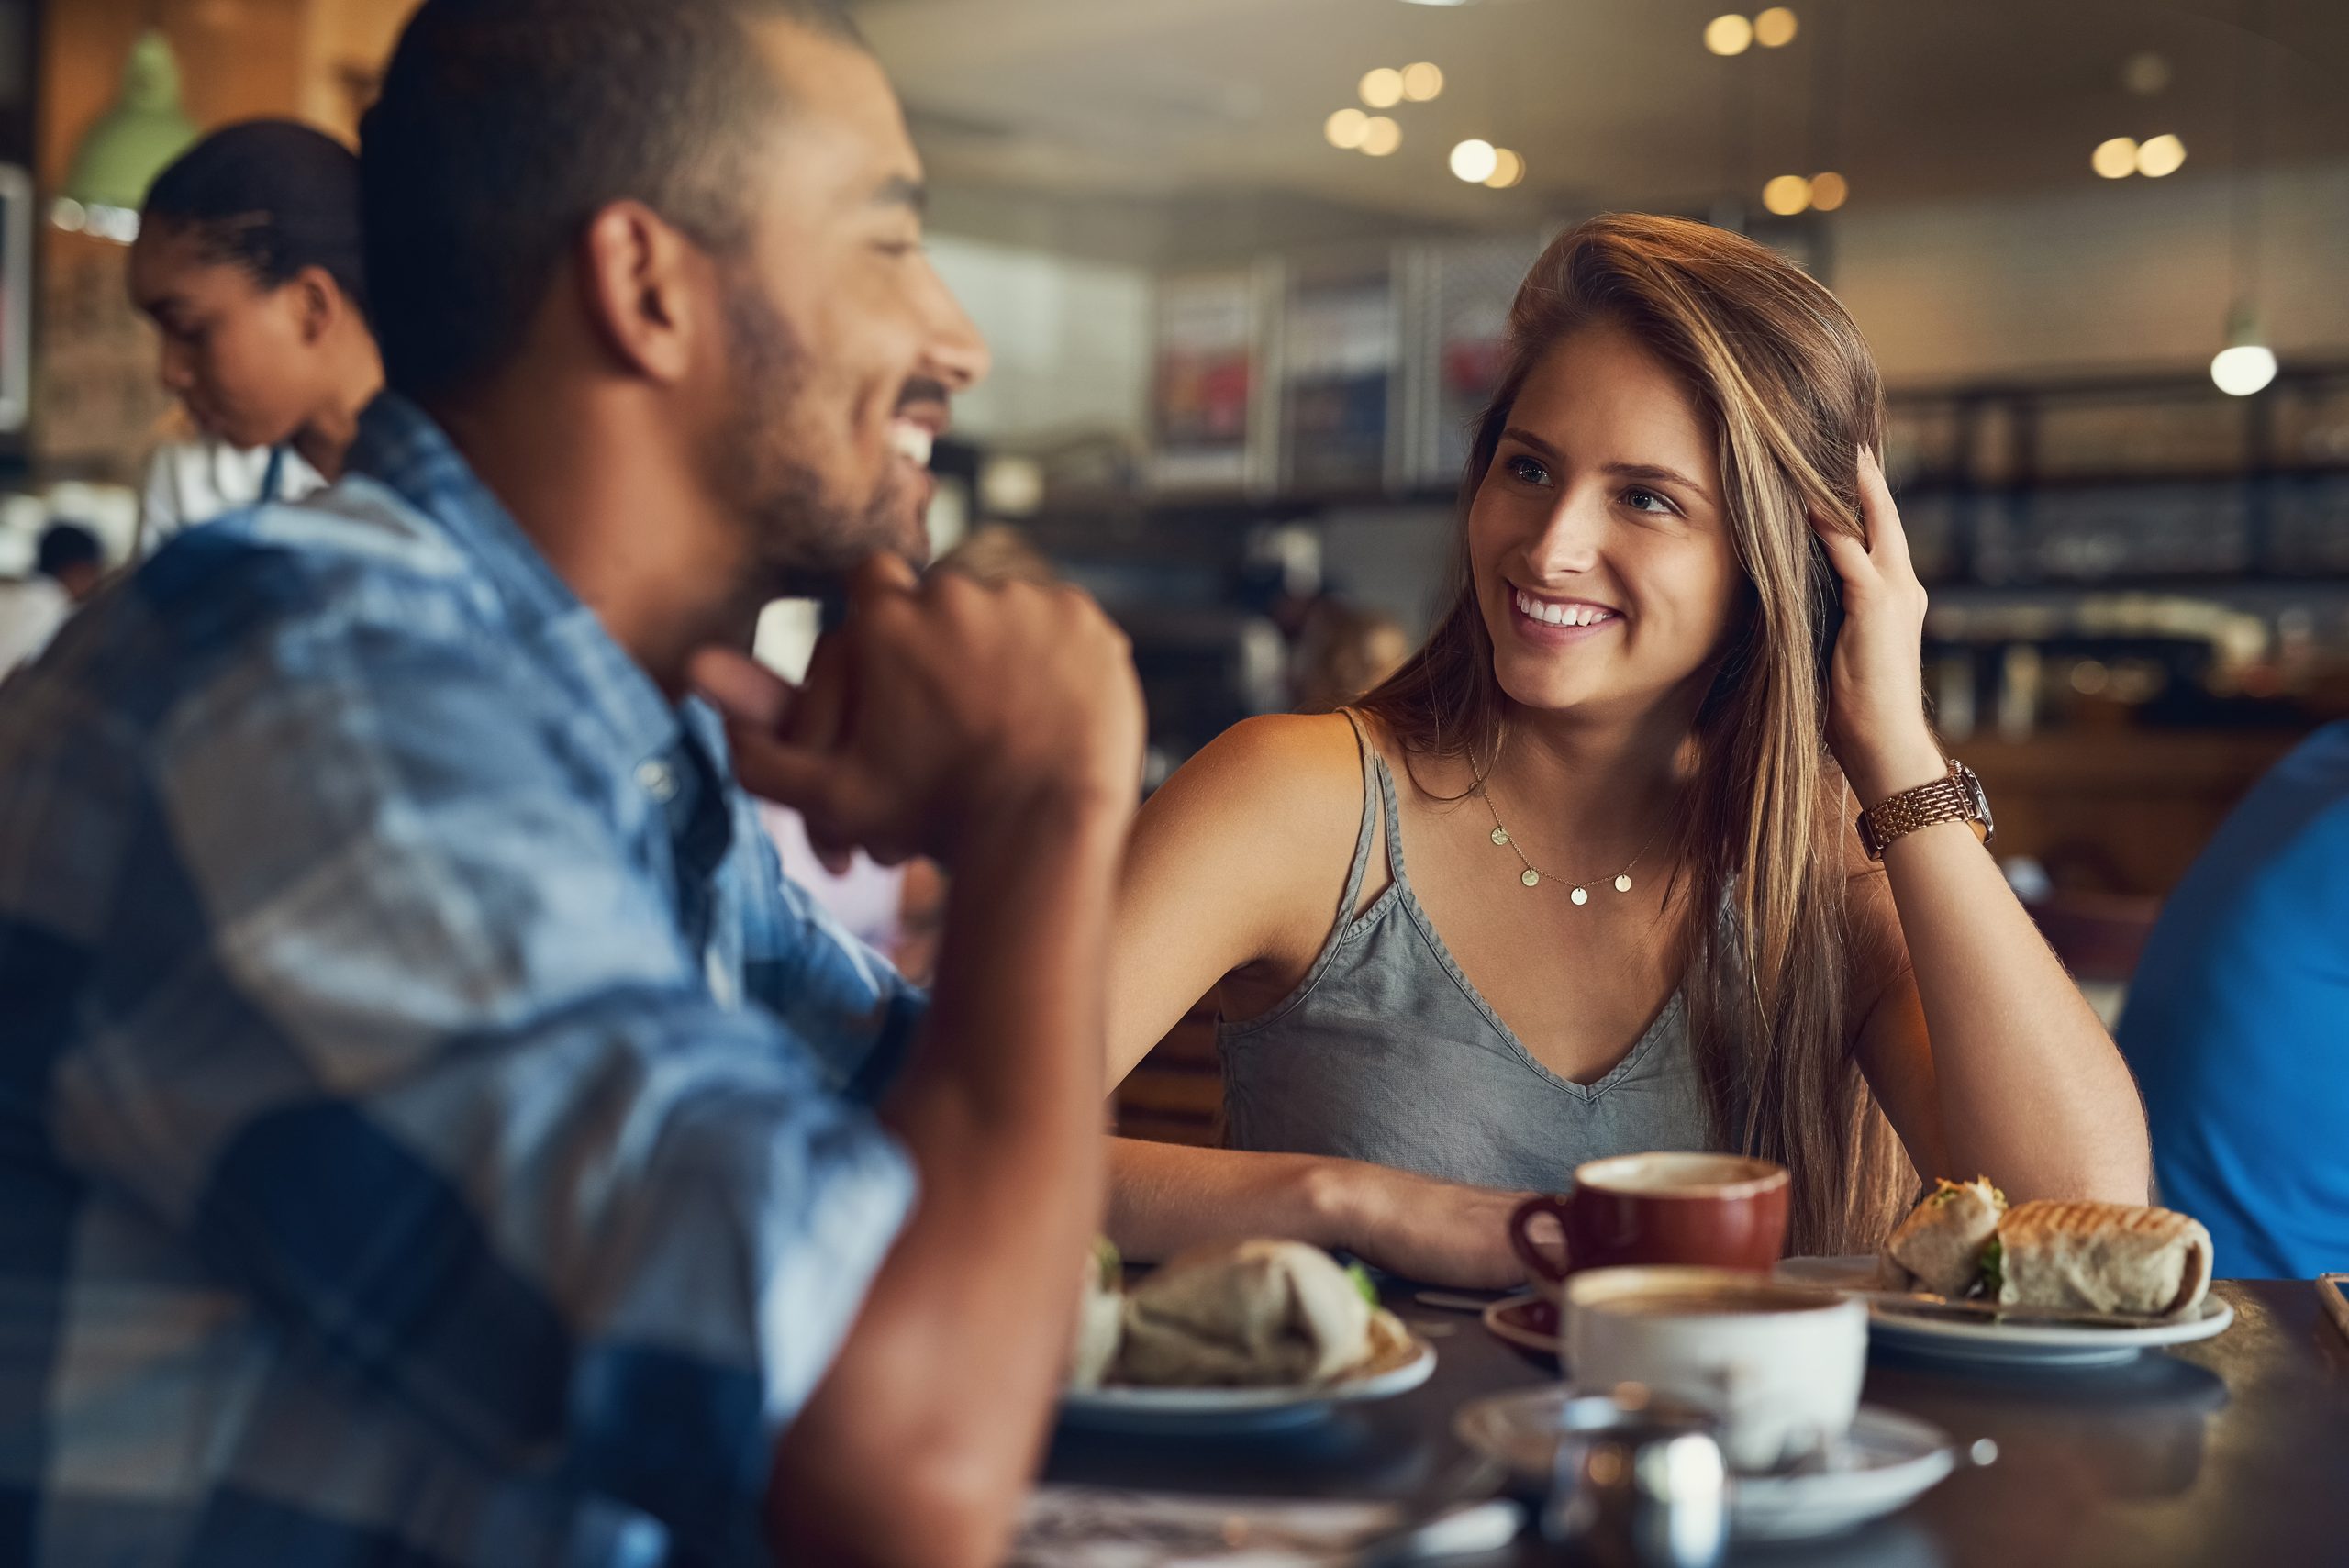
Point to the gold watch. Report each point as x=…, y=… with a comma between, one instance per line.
x=1957, y=798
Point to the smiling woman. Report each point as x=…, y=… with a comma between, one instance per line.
x=1647, y=681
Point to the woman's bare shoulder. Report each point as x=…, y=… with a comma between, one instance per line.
x=1237, y=860
x=1290, y=770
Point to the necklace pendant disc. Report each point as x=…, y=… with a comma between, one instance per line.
x=1582, y=895
x=1531, y=878
x=1624, y=882
x=1500, y=835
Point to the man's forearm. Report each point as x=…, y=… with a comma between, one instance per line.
x=919, y=1440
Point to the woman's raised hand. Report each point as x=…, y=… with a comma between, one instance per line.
x=1875, y=718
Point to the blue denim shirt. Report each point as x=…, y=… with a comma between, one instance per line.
x=431, y=1129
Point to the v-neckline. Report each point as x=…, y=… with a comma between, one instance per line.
x=1401, y=887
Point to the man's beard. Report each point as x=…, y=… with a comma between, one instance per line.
x=803, y=539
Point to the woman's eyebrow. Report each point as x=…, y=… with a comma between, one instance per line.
x=1639, y=472
x=1656, y=474
x=1528, y=438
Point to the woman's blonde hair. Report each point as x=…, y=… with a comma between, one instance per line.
x=1792, y=395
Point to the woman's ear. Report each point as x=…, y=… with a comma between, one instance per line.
x=317, y=303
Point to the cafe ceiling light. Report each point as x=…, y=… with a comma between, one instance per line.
x=2246, y=364
x=1829, y=191
x=1509, y=169
x=1729, y=34
x=1382, y=88
x=1475, y=160
x=1381, y=136
x=1787, y=196
x=1422, y=81
x=2160, y=156
x=1346, y=129
x=2116, y=159
x=1775, y=28
x=2145, y=75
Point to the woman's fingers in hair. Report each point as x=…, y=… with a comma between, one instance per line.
x=1846, y=552
x=1887, y=540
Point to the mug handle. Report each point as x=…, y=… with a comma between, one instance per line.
x=1536, y=1259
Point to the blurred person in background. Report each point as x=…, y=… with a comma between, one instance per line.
x=437, y=1132
x=1621, y=772
x=2237, y=1025
x=68, y=566
x=1342, y=652
x=251, y=264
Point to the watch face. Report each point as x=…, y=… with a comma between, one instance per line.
x=1977, y=800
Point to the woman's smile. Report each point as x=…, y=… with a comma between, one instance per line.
x=1547, y=622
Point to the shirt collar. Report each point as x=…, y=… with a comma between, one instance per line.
x=404, y=448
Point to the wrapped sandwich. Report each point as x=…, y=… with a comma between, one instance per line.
x=1939, y=1246
x=1260, y=1313
x=2100, y=1257
x=1100, y=1316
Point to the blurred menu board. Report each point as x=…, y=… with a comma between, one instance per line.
x=1339, y=343
x=1205, y=380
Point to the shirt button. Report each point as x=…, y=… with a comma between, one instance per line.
x=657, y=779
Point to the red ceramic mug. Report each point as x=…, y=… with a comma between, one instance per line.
x=1719, y=1210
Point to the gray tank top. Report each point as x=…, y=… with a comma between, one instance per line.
x=1385, y=1052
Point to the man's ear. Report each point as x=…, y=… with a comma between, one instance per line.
x=639, y=279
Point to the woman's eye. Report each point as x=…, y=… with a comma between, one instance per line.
x=1647, y=500
x=1526, y=471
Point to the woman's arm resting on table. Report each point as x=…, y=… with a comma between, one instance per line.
x=1165, y=1198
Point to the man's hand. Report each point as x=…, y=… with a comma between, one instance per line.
x=939, y=710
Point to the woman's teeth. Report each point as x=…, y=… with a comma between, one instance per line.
x=911, y=441
x=1561, y=614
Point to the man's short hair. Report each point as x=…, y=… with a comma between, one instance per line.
x=64, y=546
x=504, y=125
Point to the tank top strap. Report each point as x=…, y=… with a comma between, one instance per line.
x=1375, y=789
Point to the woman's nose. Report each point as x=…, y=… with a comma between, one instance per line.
x=1571, y=535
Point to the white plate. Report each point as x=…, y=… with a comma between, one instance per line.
x=1222, y=1412
x=1886, y=1463
x=1988, y=1344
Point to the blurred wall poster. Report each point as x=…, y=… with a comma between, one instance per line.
x=16, y=295
x=1471, y=288
x=1204, y=375
x=1339, y=353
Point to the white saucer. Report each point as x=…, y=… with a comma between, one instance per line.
x=1517, y=1321
x=1224, y=1412
x=1886, y=1463
x=1991, y=1343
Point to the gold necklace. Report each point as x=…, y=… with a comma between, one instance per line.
x=1532, y=875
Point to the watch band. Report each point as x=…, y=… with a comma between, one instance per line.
x=1955, y=798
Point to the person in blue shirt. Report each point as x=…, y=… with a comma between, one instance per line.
x=2237, y=1025
x=431, y=1130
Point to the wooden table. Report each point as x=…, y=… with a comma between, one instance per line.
x=2232, y=1451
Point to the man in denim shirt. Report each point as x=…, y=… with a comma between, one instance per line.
x=431, y=1130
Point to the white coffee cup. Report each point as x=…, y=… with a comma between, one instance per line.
x=1780, y=1365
